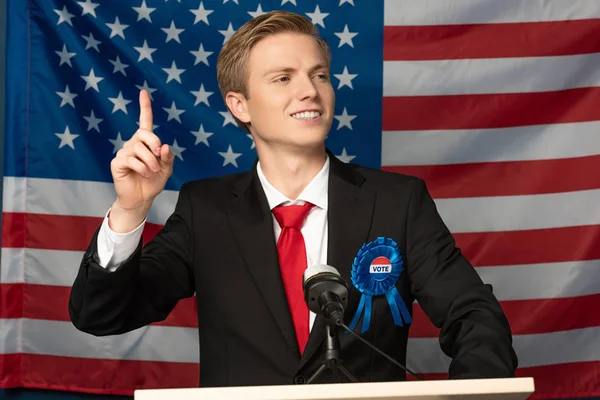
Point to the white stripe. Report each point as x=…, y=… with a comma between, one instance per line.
x=424, y=354
x=483, y=76
x=444, y=12
x=538, y=142
x=13, y=196
x=13, y=261
x=11, y=331
x=510, y=213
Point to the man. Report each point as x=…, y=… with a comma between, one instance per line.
x=231, y=240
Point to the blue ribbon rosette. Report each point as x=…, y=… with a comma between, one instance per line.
x=375, y=271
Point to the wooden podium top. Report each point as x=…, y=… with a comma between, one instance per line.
x=482, y=389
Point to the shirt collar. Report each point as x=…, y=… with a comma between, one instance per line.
x=315, y=192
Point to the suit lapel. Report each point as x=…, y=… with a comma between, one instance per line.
x=252, y=226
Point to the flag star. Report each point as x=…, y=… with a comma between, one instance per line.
x=201, y=96
x=88, y=7
x=346, y=37
x=201, y=55
x=66, y=138
x=346, y=1
x=201, y=14
x=119, y=103
x=143, y=11
x=345, y=119
x=318, y=17
x=229, y=157
x=253, y=144
x=117, y=28
x=228, y=118
x=228, y=33
x=91, y=42
x=177, y=149
x=345, y=78
x=235, y=1
x=202, y=136
x=118, y=66
x=145, y=52
x=93, y=122
x=65, y=56
x=64, y=16
x=288, y=1
x=67, y=97
x=146, y=88
x=173, y=73
x=344, y=157
x=91, y=81
x=172, y=33
x=174, y=113
x=118, y=143
x=259, y=11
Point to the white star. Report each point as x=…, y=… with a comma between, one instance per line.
x=253, y=144
x=201, y=136
x=65, y=56
x=118, y=66
x=229, y=157
x=228, y=118
x=64, y=16
x=119, y=103
x=117, y=28
x=345, y=78
x=235, y=1
x=91, y=81
x=346, y=1
x=259, y=11
x=345, y=119
x=344, y=157
x=177, y=150
x=174, y=113
x=66, y=138
x=118, y=143
x=93, y=122
x=173, y=73
x=88, y=7
x=143, y=11
x=91, y=42
x=145, y=52
x=172, y=32
x=67, y=97
x=201, y=96
x=288, y=1
x=318, y=17
x=146, y=88
x=201, y=55
x=201, y=14
x=346, y=37
x=228, y=33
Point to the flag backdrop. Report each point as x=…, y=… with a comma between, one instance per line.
x=494, y=103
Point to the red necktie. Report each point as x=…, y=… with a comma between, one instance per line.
x=292, y=260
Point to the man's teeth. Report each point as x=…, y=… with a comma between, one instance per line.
x=307, y=115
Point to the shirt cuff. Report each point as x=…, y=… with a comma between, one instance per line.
x=113, y=247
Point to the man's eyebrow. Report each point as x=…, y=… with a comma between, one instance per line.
x=290, y=69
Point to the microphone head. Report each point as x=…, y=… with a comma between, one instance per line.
x=320, y=279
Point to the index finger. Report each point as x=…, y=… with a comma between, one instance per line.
x=145, y=111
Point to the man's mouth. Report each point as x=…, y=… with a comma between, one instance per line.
x=307, y=115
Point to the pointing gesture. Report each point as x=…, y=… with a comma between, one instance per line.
x=140, y=171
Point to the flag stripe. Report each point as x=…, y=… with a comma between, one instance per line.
x=479, y=41
x=482, y=111
x=507, y=178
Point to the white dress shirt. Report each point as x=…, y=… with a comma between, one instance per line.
x=114, y=248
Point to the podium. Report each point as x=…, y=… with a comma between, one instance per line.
x=482, y=389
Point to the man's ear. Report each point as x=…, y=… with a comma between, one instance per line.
x=237, y=104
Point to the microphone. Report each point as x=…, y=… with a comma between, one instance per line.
x=326, y=294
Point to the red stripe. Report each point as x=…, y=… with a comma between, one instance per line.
x=530, y=39
x=528, y=317
x=23, y=301
x=483, y=111
x=11, y=369
x=507, y=178
x=13, y=229
x=101, y=376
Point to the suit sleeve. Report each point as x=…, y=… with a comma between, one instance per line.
x=474, y=331
x=145, y=288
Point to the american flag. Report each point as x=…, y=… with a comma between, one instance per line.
x=494, y=103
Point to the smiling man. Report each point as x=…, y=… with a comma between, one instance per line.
x=242, y=242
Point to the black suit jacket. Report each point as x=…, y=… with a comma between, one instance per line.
x=219, y=243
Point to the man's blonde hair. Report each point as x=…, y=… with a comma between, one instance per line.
x=232, y=64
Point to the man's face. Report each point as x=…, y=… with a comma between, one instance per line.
x=291, y=100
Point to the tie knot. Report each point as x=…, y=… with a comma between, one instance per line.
x=292, y=216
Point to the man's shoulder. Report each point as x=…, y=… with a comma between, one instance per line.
x=214, y=186
x=386, y=179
